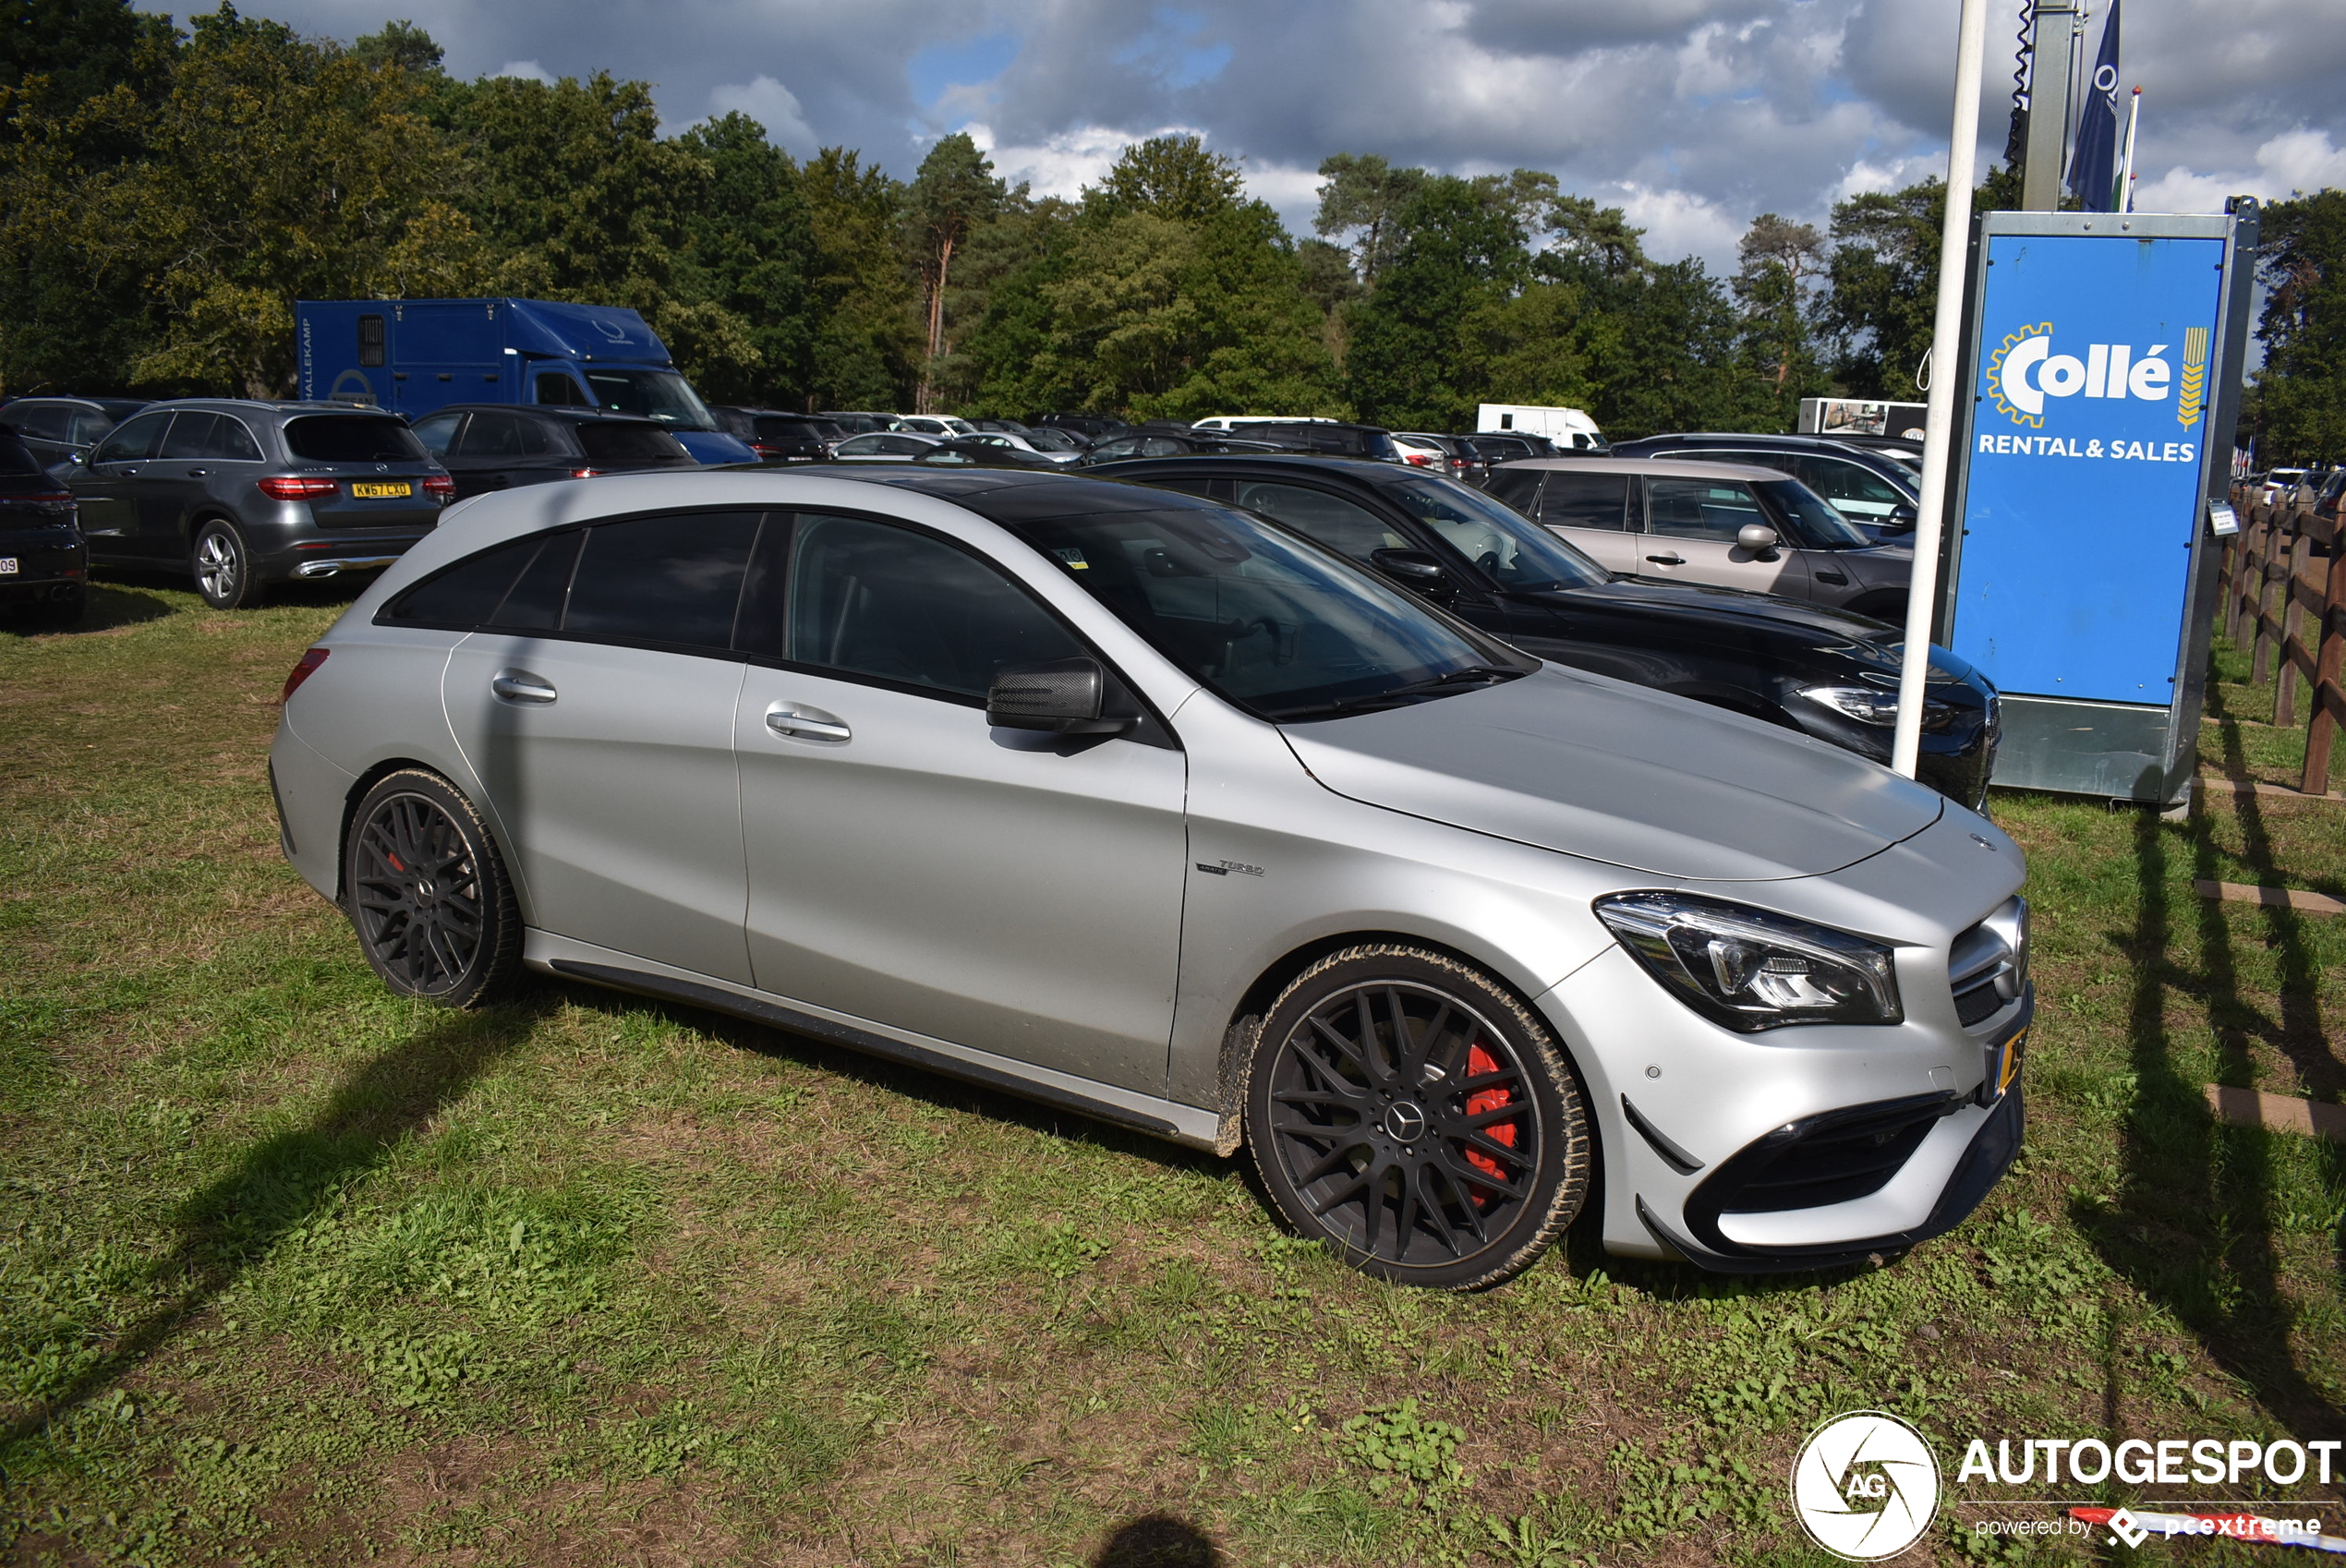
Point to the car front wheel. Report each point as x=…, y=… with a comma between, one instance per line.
x=1410, y=1113
x=428, y=892
x=223, y=567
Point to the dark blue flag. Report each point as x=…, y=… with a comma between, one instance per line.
x=2093, y=167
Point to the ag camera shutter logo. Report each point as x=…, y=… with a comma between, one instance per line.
x=1865, y=1486
x=2025, y=370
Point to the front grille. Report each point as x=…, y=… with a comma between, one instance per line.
x=1850, y=1159
x=1987, y=966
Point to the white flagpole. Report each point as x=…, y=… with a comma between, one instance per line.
x=2127, y=184
x=1946, y=364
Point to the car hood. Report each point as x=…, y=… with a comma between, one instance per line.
x=1608, y=771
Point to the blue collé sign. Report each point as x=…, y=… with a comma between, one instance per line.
x=2086, y=462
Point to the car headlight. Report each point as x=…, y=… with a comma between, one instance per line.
x=1752, y=970
x=1870, y=705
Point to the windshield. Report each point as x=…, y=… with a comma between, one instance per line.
x=1516, y=553
x=660, y=394
x=1811, y=516
x=1279, y=627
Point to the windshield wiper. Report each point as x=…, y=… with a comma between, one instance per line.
x=1395, y=695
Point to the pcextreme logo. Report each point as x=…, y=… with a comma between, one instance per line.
x=2023, y=371
x=1865, y=1486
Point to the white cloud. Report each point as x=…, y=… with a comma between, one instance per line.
x=1064, y=163
x=529, y=69
x=2295, y=160
x=770, y=104
x=1679, y=224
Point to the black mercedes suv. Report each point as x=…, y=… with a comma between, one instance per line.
x=1823, y=672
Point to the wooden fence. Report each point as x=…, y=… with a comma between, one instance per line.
x=2274, y=558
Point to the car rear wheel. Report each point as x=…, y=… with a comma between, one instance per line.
x=427, y=890
x=223, y=567
x=1410, y=1113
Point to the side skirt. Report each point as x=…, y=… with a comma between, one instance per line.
x=1161, y=1118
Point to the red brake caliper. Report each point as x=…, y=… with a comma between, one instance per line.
x=1478, y=1064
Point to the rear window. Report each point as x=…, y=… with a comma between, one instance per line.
x=351, y=438
x=616, y=443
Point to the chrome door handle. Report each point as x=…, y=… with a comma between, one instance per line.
x=1667, y=560
x=786, y=718
x=195, y=472
x=521, y=686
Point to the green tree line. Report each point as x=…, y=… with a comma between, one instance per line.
x=166, y=196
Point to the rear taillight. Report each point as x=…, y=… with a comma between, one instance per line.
x=52, y=503
x=303, y=671
x=439, y=486
x=289, y=486
x=584, y=473
x=763, y=450
x=1418, y=460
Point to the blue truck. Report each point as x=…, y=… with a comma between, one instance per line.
x=414, y=357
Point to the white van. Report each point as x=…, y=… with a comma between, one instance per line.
x=1569, y=428
x=1225, y=423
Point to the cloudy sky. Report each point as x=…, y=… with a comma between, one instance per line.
x=1693, y=114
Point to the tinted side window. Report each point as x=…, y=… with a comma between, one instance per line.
x=232, y=442
x=49, y=423
x=493, y=435
x=190, y=436
x=1699, y=509
x=438, y=431
x=1851, y=487
x=1338, y=523
x=868, y=598
x=89, y=425
x=616, y=443
x=555, y=387
x=1584, y=501
x=663, y=579
x=468, y=592
x=1518, y=488
x=132, y=442
x=535, y=602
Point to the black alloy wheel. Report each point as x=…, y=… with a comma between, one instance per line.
x=1410, y=1113
x=223, y=567
x=429, y=894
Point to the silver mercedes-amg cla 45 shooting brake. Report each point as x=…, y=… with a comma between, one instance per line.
x=1134, y=804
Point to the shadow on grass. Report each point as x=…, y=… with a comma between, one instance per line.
x=880, y=1073
x=2193, y=1226
x=282, y=1181
x=1159, y=1541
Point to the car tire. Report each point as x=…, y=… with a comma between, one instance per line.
x=222, y=567
x=1395, y=1147
x=427, y=893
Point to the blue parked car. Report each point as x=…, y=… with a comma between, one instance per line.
x=415, y=356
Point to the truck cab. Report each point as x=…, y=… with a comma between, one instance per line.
x=415, y=356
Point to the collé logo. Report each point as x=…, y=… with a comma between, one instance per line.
x=2025, y=370
x=1865, y=1486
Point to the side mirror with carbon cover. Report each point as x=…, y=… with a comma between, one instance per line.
x=1063, y=696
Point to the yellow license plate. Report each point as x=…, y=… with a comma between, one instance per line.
x=383, y=492
x=2004, y=1064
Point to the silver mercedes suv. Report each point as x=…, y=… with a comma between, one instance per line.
x=1138, y=804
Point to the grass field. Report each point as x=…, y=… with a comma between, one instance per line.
x=293, y=1273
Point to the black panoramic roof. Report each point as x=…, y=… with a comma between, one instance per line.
x=1023, y=495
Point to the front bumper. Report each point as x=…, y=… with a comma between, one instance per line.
x=1800, y=1148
